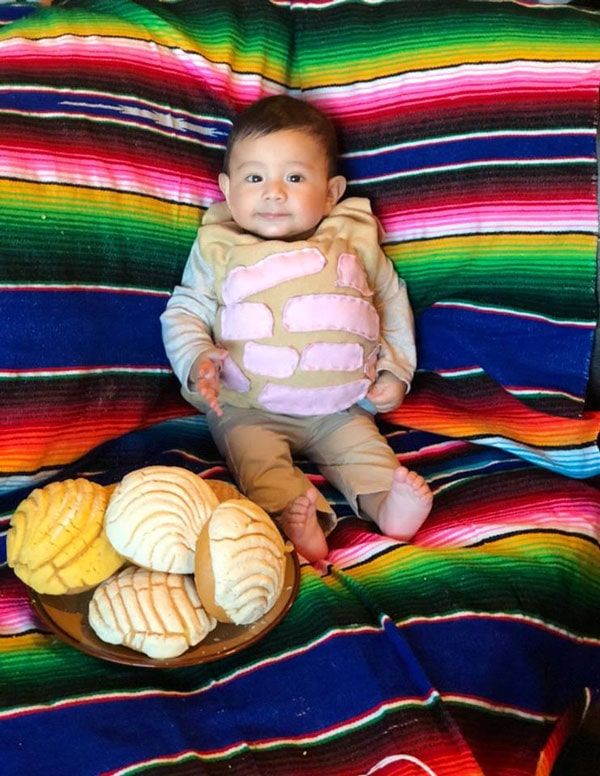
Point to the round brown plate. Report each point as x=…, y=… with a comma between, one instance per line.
x=66, y=616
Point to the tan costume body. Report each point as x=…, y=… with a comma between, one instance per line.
x=307, y=325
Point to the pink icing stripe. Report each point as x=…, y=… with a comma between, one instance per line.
x=233, y=377
x=331, y=312
x=351, y=274
x=270, y=360
x=344, y=357
x=271, y=271
x=287, y=400
x=245, y=321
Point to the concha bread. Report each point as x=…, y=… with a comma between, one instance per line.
x=223, y=490
x=152, y=612
x=155, y=516
x=56, y=541
x=240, y=563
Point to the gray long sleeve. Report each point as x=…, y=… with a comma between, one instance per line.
x=187, y=323
x=397, y=352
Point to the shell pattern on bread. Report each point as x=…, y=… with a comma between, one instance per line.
x=155, y=516
x=152, y=612
x=56, y=542
x=240, y=563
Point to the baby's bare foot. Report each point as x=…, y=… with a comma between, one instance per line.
x=301, y=526
x=406, y=506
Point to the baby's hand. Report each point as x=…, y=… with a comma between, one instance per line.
x=387, y=392
x=207, y=380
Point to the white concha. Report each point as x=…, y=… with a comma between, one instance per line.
x=155, y=516
x=152, y=612
x=240, y=563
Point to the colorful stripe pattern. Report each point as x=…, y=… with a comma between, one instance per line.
x=472, y=127
x=477, y=148
x=478, y=152
x=474, y=651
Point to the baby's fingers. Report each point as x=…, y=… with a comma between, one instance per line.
x=207, y=370
x=210, y=396
x=376, y=393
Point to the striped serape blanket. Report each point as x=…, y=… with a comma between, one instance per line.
x=472, y=126
x=474, y=650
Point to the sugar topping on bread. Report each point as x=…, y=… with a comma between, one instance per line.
x=169, y=524
x=56, y=543
x=155, y=516
x=152, y=612
x=240, y=562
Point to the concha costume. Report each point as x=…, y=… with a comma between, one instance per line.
x=56, y=542
x=240, y=563
x=152, y=612
x=296, y=318
x=156, y=514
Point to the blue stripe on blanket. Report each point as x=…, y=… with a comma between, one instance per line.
x=284, y=696
x=516, y=351
x=144, y=113
x=15, y=11
x=56, y=329
x=472, y=149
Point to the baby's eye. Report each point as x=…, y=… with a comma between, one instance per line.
x=295, y=178
x=253, y=178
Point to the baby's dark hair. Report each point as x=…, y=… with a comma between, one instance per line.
x=272, y=114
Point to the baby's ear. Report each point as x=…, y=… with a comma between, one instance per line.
x=336, y=187
x=224, y=185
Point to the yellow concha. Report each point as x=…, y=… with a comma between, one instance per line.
x=56, y=541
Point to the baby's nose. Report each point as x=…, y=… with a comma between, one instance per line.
x=275, y=190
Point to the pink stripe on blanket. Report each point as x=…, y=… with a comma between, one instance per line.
x=331, y=312
x=412, y=90
x=271, y=271
x=331, y=356
x=351, y=274
x=287, y=400
x=78, y=170
x=245, y=321
x=233, y=377
x=270, y=360
x=477, y=217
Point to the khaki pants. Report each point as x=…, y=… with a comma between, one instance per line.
x=346, y=446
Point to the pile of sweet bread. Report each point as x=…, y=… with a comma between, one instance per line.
x=167, y=553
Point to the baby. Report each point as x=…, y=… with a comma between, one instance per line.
x=291, y=327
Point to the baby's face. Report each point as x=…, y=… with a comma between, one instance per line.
x=278, y=186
